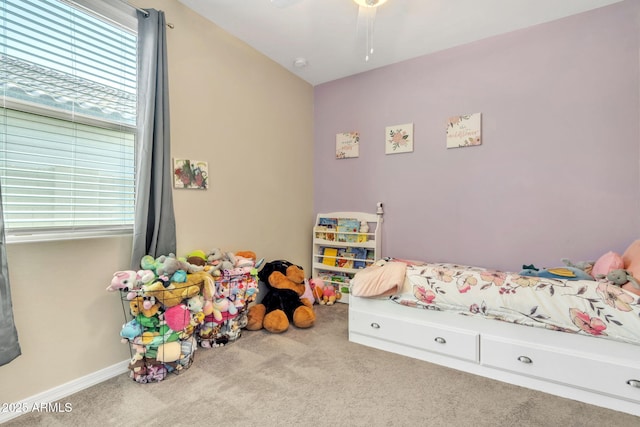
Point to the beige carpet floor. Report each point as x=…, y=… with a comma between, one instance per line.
x=316, y=377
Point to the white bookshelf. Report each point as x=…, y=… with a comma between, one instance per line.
x=355, y=249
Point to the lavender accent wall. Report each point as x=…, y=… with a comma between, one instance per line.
x=557, y=175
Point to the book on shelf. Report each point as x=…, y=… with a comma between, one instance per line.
x=329, y=256
x=335, y=277
x=341, y=282
x=370, y=258
x=340, y=254
x=345, y=259
x=359, y=257
x=325, y=277
x=321, y=232
x=348, y=229
x=327, y=228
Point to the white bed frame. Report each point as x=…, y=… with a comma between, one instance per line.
x=597, y=371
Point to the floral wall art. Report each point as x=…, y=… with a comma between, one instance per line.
x=347, y=145
x=399, y=139
x=464, y=131
x=190, y=174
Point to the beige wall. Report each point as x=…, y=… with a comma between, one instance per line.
x=251, y=120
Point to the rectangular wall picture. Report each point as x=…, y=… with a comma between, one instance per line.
x=398, y=139
x=464, y=131
x=190, y=174
x=347, y=144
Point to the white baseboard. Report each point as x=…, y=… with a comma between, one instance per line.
x=66, y=389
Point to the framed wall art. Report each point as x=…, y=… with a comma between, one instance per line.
x=464, y=131
x=190, y=174
x=398, y=139
x=347, y=144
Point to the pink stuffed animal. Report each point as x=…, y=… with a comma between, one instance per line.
x=329, y=295
x=123, y=281
x=317, y=286
x=128, y=279
x=308, y=292
x=177, y=317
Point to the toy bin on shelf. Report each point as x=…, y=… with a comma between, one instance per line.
x=226, y=311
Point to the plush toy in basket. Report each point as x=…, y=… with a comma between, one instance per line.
x=282, y=305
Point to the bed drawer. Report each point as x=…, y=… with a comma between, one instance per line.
x=612, y=377
x=425, y=336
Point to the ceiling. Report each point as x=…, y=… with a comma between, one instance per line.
x=331, y=38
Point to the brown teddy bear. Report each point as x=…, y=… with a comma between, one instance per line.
x=282, y=305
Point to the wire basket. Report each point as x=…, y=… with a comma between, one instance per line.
x=226, y=311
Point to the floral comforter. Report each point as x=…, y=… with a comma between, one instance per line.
x=599, y=309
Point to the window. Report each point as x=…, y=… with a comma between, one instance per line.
x=67, y=120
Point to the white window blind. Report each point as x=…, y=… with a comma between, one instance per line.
x=67, y=119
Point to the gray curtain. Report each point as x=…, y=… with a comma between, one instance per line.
x=155, y=225
x=9, y=346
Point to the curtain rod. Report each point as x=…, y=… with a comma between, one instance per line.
x=144, y=12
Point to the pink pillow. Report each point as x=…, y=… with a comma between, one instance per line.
x=631, y=259
x=607, y=262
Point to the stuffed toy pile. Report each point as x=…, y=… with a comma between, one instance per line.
x=621, y=270
x=176, y=304
x=282, y=305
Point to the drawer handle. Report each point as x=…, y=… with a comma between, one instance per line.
x=525, y=359
x=634, y=383
x=375, y=325
x=440, y=340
